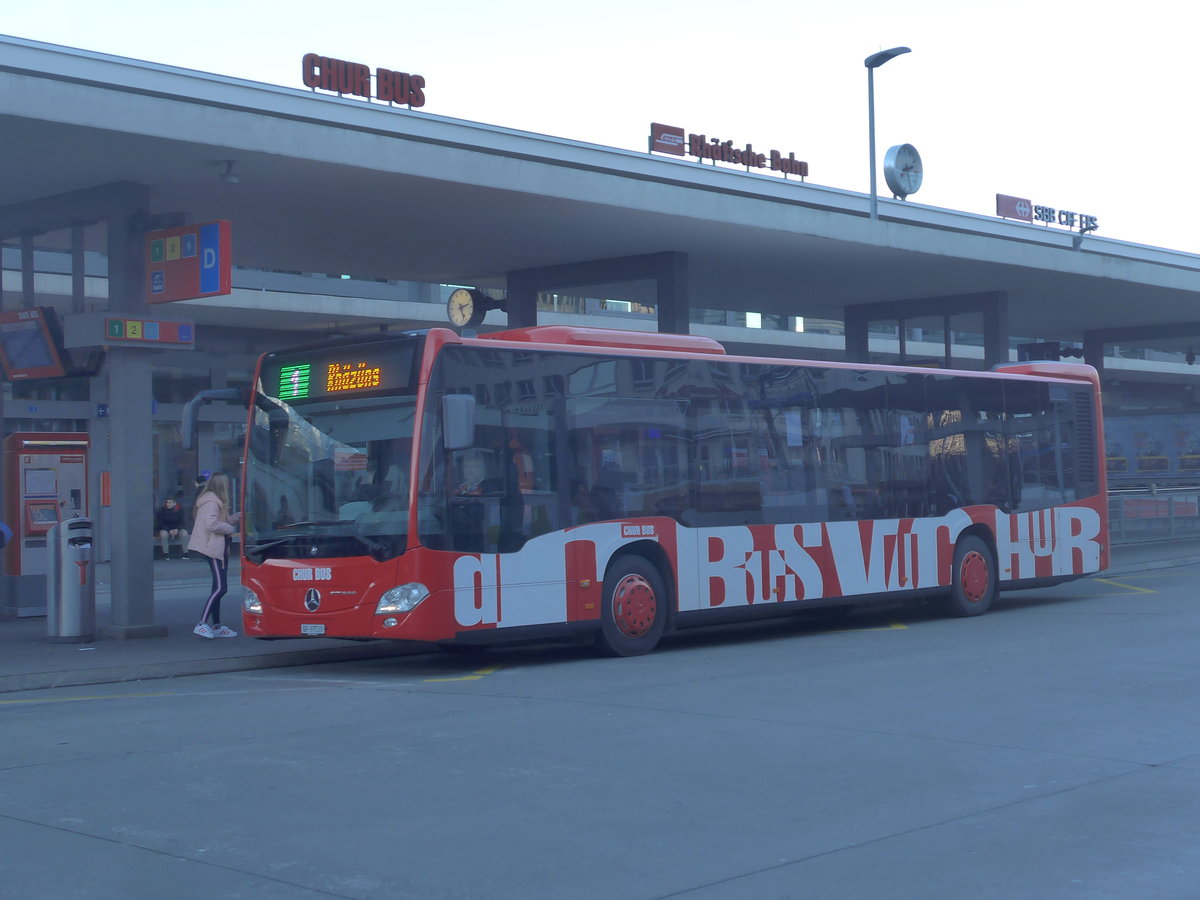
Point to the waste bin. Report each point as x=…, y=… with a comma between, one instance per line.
x=71, y=582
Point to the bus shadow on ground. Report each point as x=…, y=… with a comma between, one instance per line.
x=466, y=662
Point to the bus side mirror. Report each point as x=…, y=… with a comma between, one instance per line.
x=458, y=421
x=191, y=411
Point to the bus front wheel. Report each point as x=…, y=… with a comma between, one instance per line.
x=633, y=612
x=973, y=578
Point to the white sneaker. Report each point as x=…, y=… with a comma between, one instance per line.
x=203, y=630
x=223, y=631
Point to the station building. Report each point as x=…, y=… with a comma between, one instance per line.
x=341, y=206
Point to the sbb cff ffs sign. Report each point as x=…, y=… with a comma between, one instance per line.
x=189, y=262
x=1009, y=207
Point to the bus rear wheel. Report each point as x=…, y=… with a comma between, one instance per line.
x=973, y=578
x=633, y=612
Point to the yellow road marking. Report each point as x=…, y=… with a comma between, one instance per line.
x=479, y=673
x=894, y=626
x=76, y=699
x=1130, y=587
x=1165, y=574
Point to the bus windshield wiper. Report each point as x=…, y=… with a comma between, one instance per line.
x=373, y=546
x=316, y=524
x=264, y=547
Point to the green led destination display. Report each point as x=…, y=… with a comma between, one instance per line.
x=293, y=381
x=344, y=371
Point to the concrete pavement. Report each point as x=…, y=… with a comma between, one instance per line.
x=28, y=661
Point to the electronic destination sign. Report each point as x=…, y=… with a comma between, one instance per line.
x=340, y=372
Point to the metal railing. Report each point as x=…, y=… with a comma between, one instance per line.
x=1162, y=514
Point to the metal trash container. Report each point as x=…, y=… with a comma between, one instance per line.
x=71, y=582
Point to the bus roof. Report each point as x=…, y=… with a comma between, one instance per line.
x=641, y=342
x=608, y=337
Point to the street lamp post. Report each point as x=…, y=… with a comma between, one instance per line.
x=873, y=62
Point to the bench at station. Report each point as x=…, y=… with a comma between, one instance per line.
x=176, y=547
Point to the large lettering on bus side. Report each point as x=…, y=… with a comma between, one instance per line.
x=759, y=564
x=858, y=550
x=532, y=583
x=511, y=589
x=793, y=573
x=722, y=563
x=1014, y=546
x=874, y=557
x=477, y=590
x=932, y=548
x=1046, y=543
x=1077, y=540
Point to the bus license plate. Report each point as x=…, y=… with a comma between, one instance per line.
x=312, y=630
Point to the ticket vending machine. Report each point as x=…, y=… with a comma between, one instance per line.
x=45, y=482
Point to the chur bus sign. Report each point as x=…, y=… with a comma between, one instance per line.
x=356, y=80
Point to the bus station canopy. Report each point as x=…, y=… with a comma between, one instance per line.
x=318, y=183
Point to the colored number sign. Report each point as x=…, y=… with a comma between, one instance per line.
x=189, y=262
x=132, y=331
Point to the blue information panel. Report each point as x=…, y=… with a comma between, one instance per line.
x=189, y=262
x=210, y=258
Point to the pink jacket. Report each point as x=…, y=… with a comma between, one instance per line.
x=212, y=526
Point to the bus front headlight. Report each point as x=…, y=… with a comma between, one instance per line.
x=251, y=603
x=402, y=599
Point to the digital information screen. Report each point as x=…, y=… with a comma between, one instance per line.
x=341, y=372
x=27, y=347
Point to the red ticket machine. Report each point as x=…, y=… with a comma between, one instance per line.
x=45, y=482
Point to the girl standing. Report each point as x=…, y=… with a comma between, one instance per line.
x=210, y=538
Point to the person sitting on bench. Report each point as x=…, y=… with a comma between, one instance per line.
x=168, y=522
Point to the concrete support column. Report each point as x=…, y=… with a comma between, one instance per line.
x=1093, y=350
x=131, y=402
x=995, y=329
x=132, y=520
x=674, y=309
x=857, y=325
x=669, y=271
x=993, y=306
x=27, y=274
x=78, y=273
x=521, y=299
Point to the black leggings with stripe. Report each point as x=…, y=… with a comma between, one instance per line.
x=220, y=584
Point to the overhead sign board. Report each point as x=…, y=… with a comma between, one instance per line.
x=354, y=79
x=1008, y=207
x=670, y=139
x=667, y=139
x=189, y=262
x=97, y=329
x=147, y=332
x=1014, y=208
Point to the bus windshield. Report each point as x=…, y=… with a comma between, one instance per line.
x=328, y=478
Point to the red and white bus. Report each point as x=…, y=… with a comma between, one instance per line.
x=617, y=485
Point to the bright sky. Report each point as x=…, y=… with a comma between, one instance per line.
x=1085, y=105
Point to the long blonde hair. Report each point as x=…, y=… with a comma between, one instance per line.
x=219, y=486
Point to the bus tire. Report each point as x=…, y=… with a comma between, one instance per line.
x=972, y=579
x=633, y=611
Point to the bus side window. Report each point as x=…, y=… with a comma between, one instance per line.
x=606, y=492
